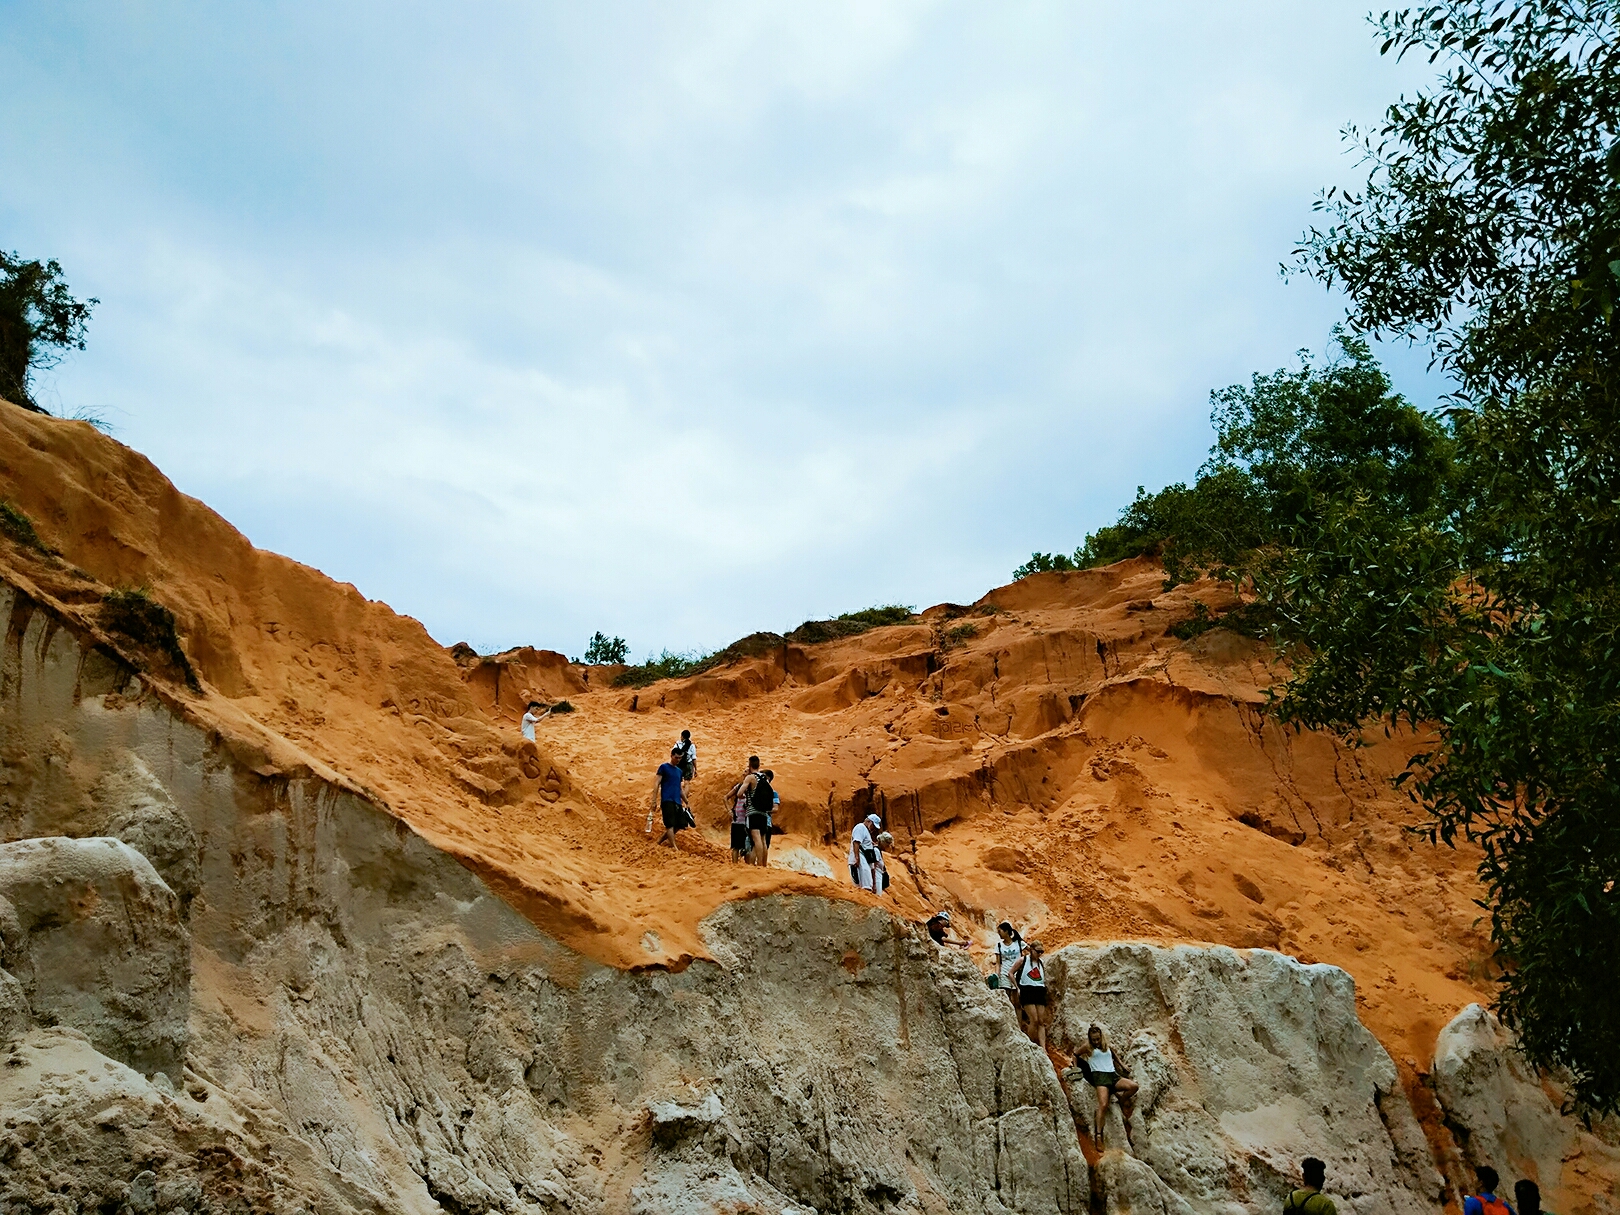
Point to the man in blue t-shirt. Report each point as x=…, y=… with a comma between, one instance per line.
x=671, y=797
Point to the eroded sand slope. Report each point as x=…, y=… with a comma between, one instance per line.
x=1049, y=753
x=1068, y=764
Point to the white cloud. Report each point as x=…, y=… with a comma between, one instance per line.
x=678, y=322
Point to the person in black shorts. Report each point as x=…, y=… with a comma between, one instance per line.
x=668, y=792
x=1032, y=995
x=760, y=803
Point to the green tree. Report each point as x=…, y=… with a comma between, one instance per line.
x=39, y=320
x=606, y=650
x=1489, y=227
x=1043, y=563
x=1287, y=444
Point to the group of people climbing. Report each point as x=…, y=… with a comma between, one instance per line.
x=753, y=802
x=1020, y=966
x=1310, y=1200
x=1020, y=971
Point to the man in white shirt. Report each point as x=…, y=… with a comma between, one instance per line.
x=530, y=717
x=863, y=853
x=688, y=756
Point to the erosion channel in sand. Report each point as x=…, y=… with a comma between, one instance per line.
x=314, y=930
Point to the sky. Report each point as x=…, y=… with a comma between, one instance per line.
x=677, y=321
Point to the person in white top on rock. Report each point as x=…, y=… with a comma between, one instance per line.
x=1009, y=953
x=863, y=853
x=1037, y=1016
x=1107, y=1073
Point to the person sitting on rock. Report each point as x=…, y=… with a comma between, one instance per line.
x=1309, y=1199
x=1486, y=1202
x=1107, y=1073
x=1037, y=1014
x=1529, y=1195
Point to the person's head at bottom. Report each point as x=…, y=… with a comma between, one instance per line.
x=1315, y=1172
x=674, y=753
x=1529, y=1195
x=753, y=763
x=1488, y=1180
x=1097, y=1039
x=533, y=704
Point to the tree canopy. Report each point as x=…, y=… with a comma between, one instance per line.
x=1489, y=228
x=1287, y=444
x=39, y=320
x=1459, y=577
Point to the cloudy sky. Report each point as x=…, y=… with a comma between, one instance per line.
x=676, y=320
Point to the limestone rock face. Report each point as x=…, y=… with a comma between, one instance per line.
x=107, y=953
x=15, y=1015
x=133, y=806
x=1248, y=1062
x=80, y=1132
x=1503, y=1114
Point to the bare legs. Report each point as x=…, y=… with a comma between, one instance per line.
x=1126, y=1091
x=1037, y=1017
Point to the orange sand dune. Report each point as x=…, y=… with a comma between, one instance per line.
x=1049, y=754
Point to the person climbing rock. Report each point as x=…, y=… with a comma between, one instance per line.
x=863, y=855
x=939, y=924
x=1309, y=1199
x=1107, y=1073
x=686, y=749
x=670, y=796
x=1009, y=953
x=1486, y=1202
x=1529, y=1195
x=1032, y=994
x=760, y=803
x=531, y=716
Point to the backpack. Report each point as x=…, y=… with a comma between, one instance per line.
x=1492, y=1206
x=685, y=749
x=1300, y=1203
x=764, y=797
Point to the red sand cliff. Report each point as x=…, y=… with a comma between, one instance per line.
x=1067, y=764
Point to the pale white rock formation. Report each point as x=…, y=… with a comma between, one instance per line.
x=1248, y=1062
x=104, y=949
x=132, y=805
x=1502, y=1113
x=371, y=1029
